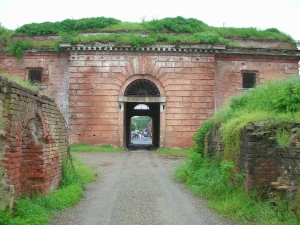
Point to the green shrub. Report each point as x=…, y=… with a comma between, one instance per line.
x=68, y=25
x=5, y=36
x=177, y=24
x=94, y=23
x=199, y=136
x=18, y=48
x=283, y=138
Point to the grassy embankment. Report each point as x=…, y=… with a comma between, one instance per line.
x=217, y=180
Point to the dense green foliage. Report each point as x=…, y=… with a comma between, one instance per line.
x=177, y=25
x=18, y=48
x=68, y=25
x=140, y=122
x=5, y=36
x=217, y=181
x=38, y=210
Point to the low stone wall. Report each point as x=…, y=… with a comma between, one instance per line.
x=267, y=166
x=33, y=141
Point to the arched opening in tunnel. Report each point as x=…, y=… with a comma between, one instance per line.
x=142, y=100
x=141, y=128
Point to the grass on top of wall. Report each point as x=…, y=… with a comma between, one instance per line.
x=39, y=210
x=23, y=83
x=84, y=147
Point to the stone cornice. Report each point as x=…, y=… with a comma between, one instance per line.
x=218, y=49
x=206, y=48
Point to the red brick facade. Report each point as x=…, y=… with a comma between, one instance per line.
x=194, y=81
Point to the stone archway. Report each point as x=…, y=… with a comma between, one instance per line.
x=142, y=91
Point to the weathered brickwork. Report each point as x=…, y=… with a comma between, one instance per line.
x=264, y=161
x=55, y=75
x=265, y=164
x=88, y=82
x=33, y=141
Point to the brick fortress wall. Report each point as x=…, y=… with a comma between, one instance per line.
x=87, y=84
x=33, y=141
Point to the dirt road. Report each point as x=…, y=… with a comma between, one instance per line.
x=136, y=188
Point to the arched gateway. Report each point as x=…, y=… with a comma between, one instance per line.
x=142, y=92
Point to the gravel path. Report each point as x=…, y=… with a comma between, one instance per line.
x=136, y=188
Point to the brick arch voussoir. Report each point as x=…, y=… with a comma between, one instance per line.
x=23, y=119
x=147, y=77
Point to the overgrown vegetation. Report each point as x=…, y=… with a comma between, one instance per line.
x=18, y=48
x=276, y=103
x=173, y=31
x=5, y=36
x=216, y=180
x=68, y=25
x=39, y=210
x=23, y=83
x=84, y=147
x=283, y=137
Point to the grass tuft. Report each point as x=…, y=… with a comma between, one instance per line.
x=174, y=152
x=84, y=147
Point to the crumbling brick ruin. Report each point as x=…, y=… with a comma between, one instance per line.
x=267, y=166
x=33, y=141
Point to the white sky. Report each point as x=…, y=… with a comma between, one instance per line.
x=281, y=14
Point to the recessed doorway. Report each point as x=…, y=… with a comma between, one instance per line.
x=142, y=100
